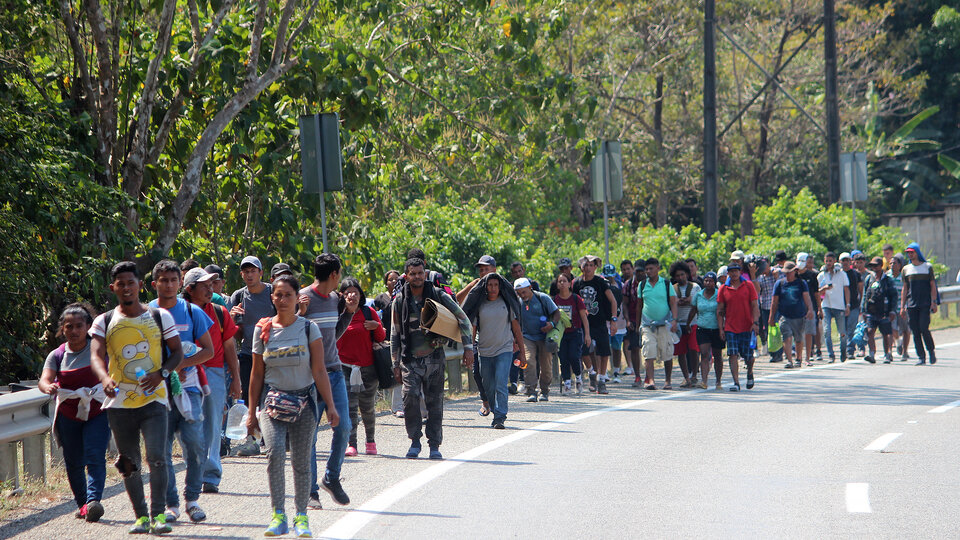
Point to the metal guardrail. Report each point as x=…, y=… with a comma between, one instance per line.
x=949, y=295
x=25, y=418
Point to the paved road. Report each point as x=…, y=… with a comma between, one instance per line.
x=786, y=459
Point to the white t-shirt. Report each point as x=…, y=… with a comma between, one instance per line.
x=833, y=297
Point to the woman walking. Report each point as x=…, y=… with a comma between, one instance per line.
x=356, y=352
x=703, y=308
x=81, y=430
x=287, y=371
x=573, y=337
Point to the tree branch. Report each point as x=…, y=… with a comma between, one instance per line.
x=256, y=36
x=106, y=76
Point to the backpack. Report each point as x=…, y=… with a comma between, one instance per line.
x=266, y=324
x=875, y=298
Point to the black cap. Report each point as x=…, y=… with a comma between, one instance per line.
x=280, y=269
x=733, y=266
x=486, y=260
x=214, y=269
x=564, y=261
x=780, y=255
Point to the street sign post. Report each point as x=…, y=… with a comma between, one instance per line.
x=853, y=183
x=606, y=183
x=320, y=161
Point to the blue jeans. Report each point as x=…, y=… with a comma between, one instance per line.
x=194, y=451
x=852, y=319
x=213, y=424
x=837, y=316
x=341, y=433
x=84, y=446
x=495, y=371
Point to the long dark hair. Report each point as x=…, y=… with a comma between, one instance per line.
x=346, y=284
x=80, y=309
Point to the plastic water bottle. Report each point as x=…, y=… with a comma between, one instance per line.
x=237, y=421
x=189, y=348
x=140, y=376
x=753, y=340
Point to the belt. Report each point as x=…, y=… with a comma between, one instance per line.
x=334, y=370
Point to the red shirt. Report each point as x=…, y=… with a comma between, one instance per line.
x=219, y=335
x=354, y=345
x=739, y=302
x=573, y=306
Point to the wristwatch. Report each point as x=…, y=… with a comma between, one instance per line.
x=164, y=373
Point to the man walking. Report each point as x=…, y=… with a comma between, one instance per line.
x=320, y=303
x=856, y=293
x=657, y=312
x=198, y=289
x=538, y=315
x=791, y=299
x=806, y=271
x=249, y=304
x=879, y=308
x=918, y=300
x=834, y=286
x=738, y=312
x=133, y=336
x=418, y=357
x=186, y=412
x=632, y=339
x=518, y=271
x=601, y=307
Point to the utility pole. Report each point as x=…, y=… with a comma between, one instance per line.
x=830, y=86
x=711, y=219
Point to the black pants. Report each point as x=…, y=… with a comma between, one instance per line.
x=476, y=375
x=246, y=364
x=424, y=375
x=127, y=426
x=920, y=326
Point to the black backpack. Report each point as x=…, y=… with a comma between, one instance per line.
x=875, y=298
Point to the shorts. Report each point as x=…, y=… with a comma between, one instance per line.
x=656, y=343
x=793, y=328
x=688, y=341
x=616, y=341
x=711, y=337
x=601, y=336
x=739, y=345
x=900, y=324
x=811, y=325
x=632, y=340
x=883, y=323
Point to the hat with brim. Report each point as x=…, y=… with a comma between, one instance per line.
x=733, y=266
x=564, y=262
x=279, y=269
x=876, y=261
x=843, y=256
x=789, y=266
x=588, y=258
x=250, y=260
x=521, y=283
x=197, y=275
x=486, y=260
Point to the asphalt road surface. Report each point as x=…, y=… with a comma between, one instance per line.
x=837, y=450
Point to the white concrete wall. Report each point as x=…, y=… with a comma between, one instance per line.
x=938, y=234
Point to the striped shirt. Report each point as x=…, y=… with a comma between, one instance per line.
x=917, y=280
x=323, y=311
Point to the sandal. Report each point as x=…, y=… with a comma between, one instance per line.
x=668, y=386
x=484, y=410
x=686, y=384
x=650, y=387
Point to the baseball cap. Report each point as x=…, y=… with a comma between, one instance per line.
x=843, y=256
x=722, y=271
x=710, y=275
x=486, y=260
x=280, y=269
x=564, y=261
x=733, y=266
x=789, y=266
x=738, y=254
x=197, y=275
x=251, y=260
x=214, y=269
x=588, y=258
x=780, y=255
x=521, y=283
x=900, y=259
x=876, y=261
x=609, y=270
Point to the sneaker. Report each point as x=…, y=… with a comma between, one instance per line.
x=887, y=360
x=81, y=512
x=172, y=514
x=94, y=511
x=196, y=513
x=832, y=360
x=159, y=525
x=593, y=382
x=702, y=385
x=301, y=526
x=512, y=389
x=532, y=398
x=579, y=388
x=735, y=388
x=869, y=358
x=521, y=388
x=616, y=378
x=899, y=347
x=904, y=357
x=210, y=488
x=399, y=414
x=333, y=487
x=435, y=453
x=543, y=397
x=933, y=359
x=414, y=450
x=498, y=424
x=693, y=381
x=819, y=357
x=350, y=451
x=749, y=382
x=371, y=449
x=140, y=526
x=314, y=502
x=920, y=362
x=602, y=387
x=788, y=366
x=629, y=371
x=278, y=525
x=566, y=387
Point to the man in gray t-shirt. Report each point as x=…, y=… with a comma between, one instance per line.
x=496, y=331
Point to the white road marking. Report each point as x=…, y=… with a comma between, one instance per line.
x=858, y=498
x=945, y=408
x=881, y=443
x=911, y=421
x=945, y=345
x=350, y=524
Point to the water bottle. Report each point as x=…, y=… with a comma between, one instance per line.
x=753, y=340
x=237, y=421
x=189, y=348
x=141, y=374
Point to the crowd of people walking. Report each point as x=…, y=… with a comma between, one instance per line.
x=294, y=352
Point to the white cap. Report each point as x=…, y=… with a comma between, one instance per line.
x=802, y=258
x=843, y=256
x=521, y=283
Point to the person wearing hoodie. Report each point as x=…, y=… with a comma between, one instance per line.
x=918, y=300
